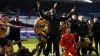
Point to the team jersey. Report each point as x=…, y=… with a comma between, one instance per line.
x=39, y=25
x=45, y=31
x=85, y=43
x=67, y=41
x=90, y=26
x=3, y=30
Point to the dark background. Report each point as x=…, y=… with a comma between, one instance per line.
x=29, y=7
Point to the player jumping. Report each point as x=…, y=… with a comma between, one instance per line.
x=39, y=26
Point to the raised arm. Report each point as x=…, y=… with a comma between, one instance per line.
x=8, y=24
x=55, y=5
x=27, y=25
x=40, y=11
x=15, y=26
x=68, y=15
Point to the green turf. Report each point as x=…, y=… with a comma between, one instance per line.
x=31, y=43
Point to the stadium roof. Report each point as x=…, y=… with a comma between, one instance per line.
x=49, y=0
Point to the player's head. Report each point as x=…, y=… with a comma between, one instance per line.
x=52, y=11
x=81, y=18
x=8, y=42
x=82, y=38
x=16, y=18
x=89, y=21
x=85, y=20
x=95, y=19
x=73, y=17
x=5, y=18
x=68, y=30
x=62, y=22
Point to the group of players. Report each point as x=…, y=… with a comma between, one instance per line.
x=66, y=31
x=70, y=32
x=9, y=31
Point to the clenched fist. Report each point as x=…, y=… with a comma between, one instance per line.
x=55, y=5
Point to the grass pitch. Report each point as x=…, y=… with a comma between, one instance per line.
x=31, y=43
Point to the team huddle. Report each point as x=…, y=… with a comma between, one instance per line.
x=73, y=34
